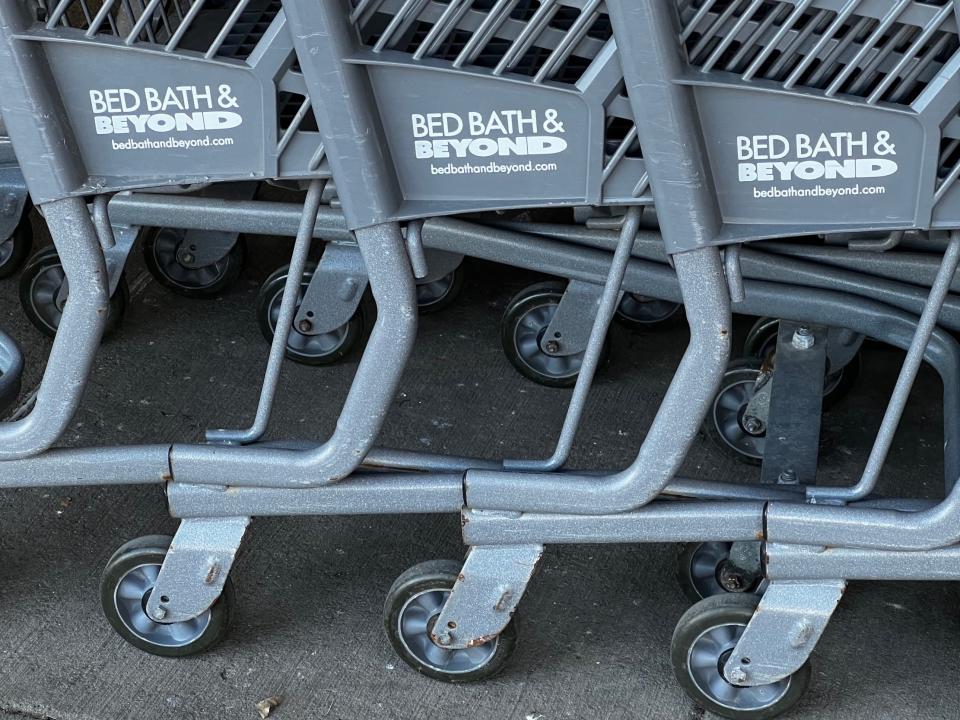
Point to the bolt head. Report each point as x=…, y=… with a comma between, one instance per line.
x=305, y=326
x=188, y=258
x=737, y=675
x=753, y=425
x=553, y=346
x=444, y=638
x=160, y=614
x=803, y=339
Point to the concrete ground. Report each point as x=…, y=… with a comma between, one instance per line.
x=595, y=625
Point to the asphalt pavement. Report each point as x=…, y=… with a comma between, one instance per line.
x=595, y=625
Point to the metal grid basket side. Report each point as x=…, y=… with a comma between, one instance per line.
x=213, y=28
x=874, y=52
x=552, y=40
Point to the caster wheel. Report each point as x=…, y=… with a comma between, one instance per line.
x=323, y=349
x=526, y=319
x=15, y=249
x=703, y=571
x=440, y=294
x=125, y=587
x=413, y=605
x=163, y=251
x=761, y=343
x=727, y=423
x=639, y=312
x=42, y=301
x=702, y=643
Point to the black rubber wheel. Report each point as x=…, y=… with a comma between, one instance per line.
x=15, y=249
x=323, y=349
x=125, y=586
x=761, y=343
x=726, y=423
x=525, y=320
x=432, y=297
x=40, y=298
x=703, y=571
x=639, y=312
x=702, y=643
x=412, y=606
x=162, y=253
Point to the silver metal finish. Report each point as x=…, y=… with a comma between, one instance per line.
x=657, y=522
x=810, y=563
x=365, y=408
x=82, y=325
x=594, y=349
x=783, y=632
x=288, y=308
x=195, y=568
x=678, y=420
x=485, y=595
x=905, y=381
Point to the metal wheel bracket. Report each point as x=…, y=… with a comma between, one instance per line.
x=572, y=322
x=783, y=631
x=439, y=264
x=334, y=292
x=13, y=199
x=116, y=256
x=195, y=568
x=485, y=595
x=792, y=447
x=842, y=346
x=202, y=248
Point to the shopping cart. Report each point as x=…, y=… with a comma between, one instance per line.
x=757, y=120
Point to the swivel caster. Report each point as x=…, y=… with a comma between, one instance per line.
x=761, y=343
x=412, y=607
x=437, y=295
x=730, y=423
x=125, y=587
x=15, y=249
x=702, y=644
x=704, y=570
x=639, y=312
x=167, y=257
x=43, y=294
x=302, y=347
x=525, y=321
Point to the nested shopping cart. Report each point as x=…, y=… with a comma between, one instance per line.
x=738, y=121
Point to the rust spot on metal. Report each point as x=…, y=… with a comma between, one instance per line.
x=759, y=535
x=212, y=573
x=452, y=625
x=166, y=476
x=477, y=642
x=504, y=602
x=460, y=578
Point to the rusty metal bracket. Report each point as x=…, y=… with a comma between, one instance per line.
x=485, y=595
x=195, y=568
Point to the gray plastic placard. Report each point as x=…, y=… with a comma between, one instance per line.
x=787, y=159
x=484, y=139
x=163, y=115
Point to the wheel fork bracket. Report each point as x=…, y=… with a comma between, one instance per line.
x=195, y=568
x=485, y=595
x=783, y=632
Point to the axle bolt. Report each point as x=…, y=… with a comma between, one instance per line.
x=803, y=339
x=305, y=326
x=752, y=425
x=553, y=347
x=737, y=675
